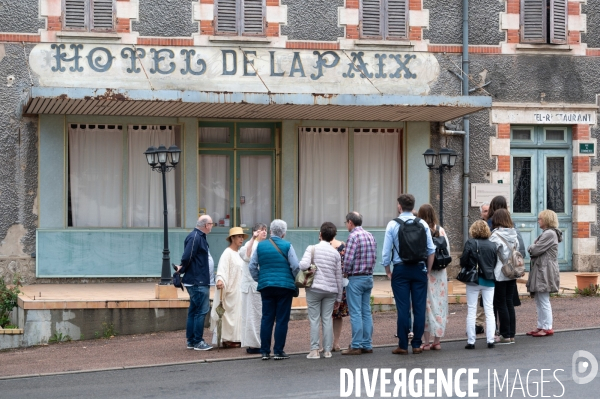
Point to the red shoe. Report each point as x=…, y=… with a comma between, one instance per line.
x=537, y=330
x=543, y=333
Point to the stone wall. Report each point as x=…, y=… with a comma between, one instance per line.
x=313, y=20
x=166, y=18
x=20, y=16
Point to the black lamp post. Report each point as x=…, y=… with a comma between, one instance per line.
x=164, y=160
x=447, y=160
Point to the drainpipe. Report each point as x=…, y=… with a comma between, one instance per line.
x=465, y=92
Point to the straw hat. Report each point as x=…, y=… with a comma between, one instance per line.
x=234, y=231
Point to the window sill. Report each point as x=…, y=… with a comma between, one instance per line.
x=383, y=43
x=544, y=47
x=239, y=39
x=89, y=37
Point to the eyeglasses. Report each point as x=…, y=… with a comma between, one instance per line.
x=211, y=223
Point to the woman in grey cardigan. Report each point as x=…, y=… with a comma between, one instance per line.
x=326, y=289
x=544, y=276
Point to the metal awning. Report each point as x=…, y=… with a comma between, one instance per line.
x=194, y=104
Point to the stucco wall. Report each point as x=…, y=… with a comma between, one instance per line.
x=165, y=18
x=20, y=16
x=18, y=176
x=445, y=22
x=312, y=20
x=592, y=14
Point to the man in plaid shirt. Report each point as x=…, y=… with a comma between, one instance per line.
x=359, y=261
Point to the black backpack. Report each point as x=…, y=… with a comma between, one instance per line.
x=412, y=238
x=442, y=256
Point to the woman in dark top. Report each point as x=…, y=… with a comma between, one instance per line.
x=342, y=310
x=480, y=253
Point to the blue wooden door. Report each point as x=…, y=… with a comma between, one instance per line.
x=541, y=179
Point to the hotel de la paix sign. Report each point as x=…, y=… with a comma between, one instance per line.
x=221, y=69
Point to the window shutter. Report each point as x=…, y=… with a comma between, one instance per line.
x=226, y=16
x=533, y=21
x=102, y=15
x=558, y=22
x=254, y=20
x=397, y=19
x=75, y=14
x=371, y=18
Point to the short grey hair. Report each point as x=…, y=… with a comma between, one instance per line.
x=278, y=228
x=202, y=221
x=482, y=205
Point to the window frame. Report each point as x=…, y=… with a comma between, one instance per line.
x=124, y=127
x=88, y=23
x=549, y=13
x=240, y=19
x=351, y=130
x=384, y=21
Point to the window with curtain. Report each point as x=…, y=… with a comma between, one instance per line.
x=325, y=174
x=98, y=174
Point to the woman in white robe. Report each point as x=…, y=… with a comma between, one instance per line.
x=251, y=299
x=228, y=279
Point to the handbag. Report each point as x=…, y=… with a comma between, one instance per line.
x=305, y=278
x=470, y=274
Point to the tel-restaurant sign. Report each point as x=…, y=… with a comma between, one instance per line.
x=231, y=69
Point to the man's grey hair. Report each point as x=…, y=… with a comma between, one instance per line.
x=482, y=205
x=278, y=228
x=202, y=221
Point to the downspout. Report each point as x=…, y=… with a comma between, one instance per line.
x=465, y=92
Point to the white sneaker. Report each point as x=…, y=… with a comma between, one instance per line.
x=327, y=355
x=314, y=354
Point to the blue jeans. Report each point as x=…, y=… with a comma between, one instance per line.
x=276, y=308
x=410, y=282
x=358, y=296
x=199, y=307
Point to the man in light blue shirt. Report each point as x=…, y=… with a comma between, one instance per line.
x=408, y=280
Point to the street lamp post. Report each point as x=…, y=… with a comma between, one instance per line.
x=447, y=160
x=164, y=160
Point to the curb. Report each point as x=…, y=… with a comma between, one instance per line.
x=229, y=359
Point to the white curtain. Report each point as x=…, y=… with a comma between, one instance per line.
x=255, y=186
x=145, y=188
x=213, y=135
x=214, y=185
x=323, y=164
x=96, y=175
x=255, y=135
x=377, y=175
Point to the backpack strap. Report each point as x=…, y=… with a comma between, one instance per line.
x=401, y=224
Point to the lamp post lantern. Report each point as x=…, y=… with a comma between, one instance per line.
x=447, y=159
x=164, y=160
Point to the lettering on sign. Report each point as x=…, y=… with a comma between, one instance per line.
x=212, y=68
x=560, y=117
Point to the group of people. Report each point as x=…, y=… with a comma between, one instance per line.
x=255, y=282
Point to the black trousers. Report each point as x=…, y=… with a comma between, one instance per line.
x=504, y=305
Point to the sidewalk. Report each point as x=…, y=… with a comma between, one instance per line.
x=169, y=347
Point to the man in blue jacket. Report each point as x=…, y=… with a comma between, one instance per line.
x=196, y=279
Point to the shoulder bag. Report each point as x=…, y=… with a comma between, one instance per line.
x=305, y=278
x=470, y=274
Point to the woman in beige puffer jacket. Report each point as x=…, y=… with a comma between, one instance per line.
x=326, y=290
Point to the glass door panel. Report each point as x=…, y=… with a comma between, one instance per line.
x=214, y=183
x=255, y=189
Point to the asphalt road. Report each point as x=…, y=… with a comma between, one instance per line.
x=298, y=377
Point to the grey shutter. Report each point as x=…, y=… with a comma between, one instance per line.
x=254, y=17
x=226, y=16
x=558, y=22
x=76, y=14
x=103, y=15
x=397, y=19
x=533, y=21
x=371, y=13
